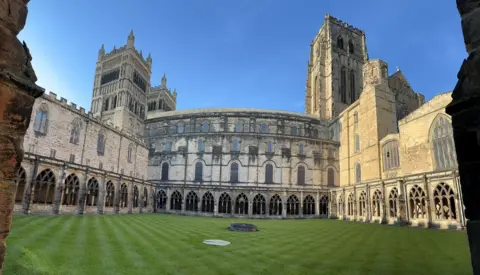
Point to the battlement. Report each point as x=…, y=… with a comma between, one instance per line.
x=139, y=54
x=343, y=24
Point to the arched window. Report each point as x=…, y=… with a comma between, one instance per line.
x=109, y=194
x=135, y=196
x=198, y=171
x=391, y=159
x=205, y=127
x=20, y=181
x=234, y=172
x=164, y=171
x=91, y=197
x=358, y=173
x=269, y=173
x=225, y=204
x=377, y=203
x=418, y=203
x=114, y=102
x=353, y=96
x=343, y=85
x=269, y=147
x=180, y=127
x=444, y=200
x=101, y=144
x=357, y=143
x=330, y=177
x=340, y=42
x=443, y=145
x=308, y=205
x=324, y=205
x=176, y=201
x=301, y=175
x=191, y=203
x=41, y=120
x=362, y=204
x=70, y=191
x=241, y=204
x=341, y=206
x=200, y=145
x=393, y=202
x=235, y=145
x=351, y=47
x=275, y=206
x=293, y=205
x=75, y=132
x=259, y=205
x=130, y=152
x=44, y=189
x=238, y=127
x=264, y=129
x=294, y=131
x=145, y=197
x=208, y=203
x=161, y=199
x=106, y=105
x=123, y=196
x=301, y=149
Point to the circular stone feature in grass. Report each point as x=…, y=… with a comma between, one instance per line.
x=243, y=227
x=216, y=242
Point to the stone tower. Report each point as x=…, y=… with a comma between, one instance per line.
x=334, y=75
x=121, y=86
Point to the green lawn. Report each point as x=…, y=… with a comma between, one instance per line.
x=167, y=244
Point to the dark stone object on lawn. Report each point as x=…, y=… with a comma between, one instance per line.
x=243, y=227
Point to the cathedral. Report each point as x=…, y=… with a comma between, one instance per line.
x=368, y=147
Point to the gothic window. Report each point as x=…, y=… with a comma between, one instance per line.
x=123, y=196
x=235, y=145
x=168, y=146
x=114, y=102
x=70, y=191
x=110, y=194
x=110, y=76
x=275, y=206
x=444, y=200
x=44, y=188
x=352, y=86
x=351, y=47
x=239, y=127
x=350, y=204
x=208, y=203
x=443, y=145
x=269, y=147
x=357, y=143
x=191, y=203
x=180, y=128
x=301, y=175
x=362, y=204
x=164, y=171
x=343, y=85
x=377, y=203
x=293, y=205
x=264, y=129
x=308, y=205
x=91, y=196
x=101, y=144
x=330, y=177
x=145, y=197
x=105, y=104
x=391, y=159
x=176, y=201
x=129, y=153
x=241, y=204
x=205, y=127
x=200, y=145
x=355, y=120
x=20, y=181
x=341, y=206
x=358, y=173
x=417, y=203
x=294, y=131
x=198, y=171
x=324, y=205
x=75, y=132
x=139, y=81
x=269, y=173
x=225, y=204
x=162, y=200
x=301, y=149
x=234, y=172
x=393, y=202
x=41, y=120
x=135, y=196
x=259, y=205
x=340, y=42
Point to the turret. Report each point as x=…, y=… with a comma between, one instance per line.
x=131, y=40
x=149, y=60
x=101, y=52
x=164, y=81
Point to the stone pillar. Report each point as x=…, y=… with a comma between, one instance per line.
x=369, y=217
x=142, y=197
x=250, y=208
x=384, y=204
x=465, y=112
x=116, y=199
x=184, y=200
x=17, y=96
x=300, y=210
x=81, y=193
x=102, y=189
x=130, y=197
x=168, y=203
x=317, y=204
x=57, y=197
x=29, y=188
x=428, y=201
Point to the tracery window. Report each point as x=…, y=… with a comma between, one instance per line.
x=70, y=191
x=145, y=197
x=353, y=96
x=324, y=205
x=362, y=204
x=259, y=205
x=351, y=47
x=198, y=171
x=444, y=200
x=205, y=127
x=164, y=171
x=293, y=205
x=44, y=189
x=41, y=120
x=91, y=196
x=343, y=85
x=75, y=132
x=275, y=206
x=106, y=104
x=301, y=175
x=241, y=204
x=308, y=205
x=123, y=196
x=264, y=128
x=225, y=204
x=234, y=172
x=180, y=128
x=340, y=42
x=418, y=203
x=443, y=145
x=391, y=159
x=176, y=201
x=20, y=181
x=162, y=200
x=341, y=206
x=377, y=203
x=350, y=204
x=135, y=196
x=393, y=202
x=110, y=194
x=208, y=203
x=191, y=204
x=269, y=173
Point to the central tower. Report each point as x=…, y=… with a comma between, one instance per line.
x=121, y=85
x=334, y=73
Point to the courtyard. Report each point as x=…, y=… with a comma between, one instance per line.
x=169, y=244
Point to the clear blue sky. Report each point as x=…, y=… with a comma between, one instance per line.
x=242, y=53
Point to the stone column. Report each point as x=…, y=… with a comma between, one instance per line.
x=168, y=203
x=29, y=188
x=317, y=204
x=116, y=199
x=384, y=204
x=284, y=208
x=428, y=202
x=300, y=210
x=130, y=197
x=142, y=197
x=17, y=96
x=465, y=112
x=101, y=195
x=250, y=208
x=57, y=197
x=81, y=193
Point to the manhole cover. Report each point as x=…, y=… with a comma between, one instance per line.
x=216, y=242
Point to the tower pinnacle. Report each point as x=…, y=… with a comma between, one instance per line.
x=131, y=39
